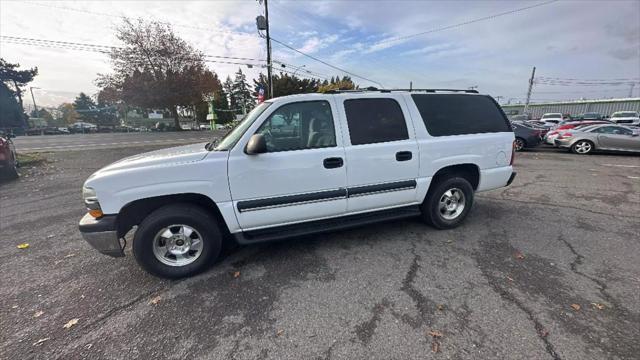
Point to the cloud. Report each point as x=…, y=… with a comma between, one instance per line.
x=314, y=44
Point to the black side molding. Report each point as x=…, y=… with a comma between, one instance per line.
x=513, y=176
x=320, y=226
x=257, y=204
x=392, y=186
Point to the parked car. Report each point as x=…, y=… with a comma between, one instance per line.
x=81, y=127
x=553, y=134
x=526, y=136
x=351, y=158
x=8, y=158
x=521, y=117
x=626, y=118
x=550, y=120
x=600, y=138
x=590, y=116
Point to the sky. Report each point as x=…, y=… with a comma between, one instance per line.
x=594, y=40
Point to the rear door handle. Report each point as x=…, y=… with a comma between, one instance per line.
x=403, y=155
x=333, y=162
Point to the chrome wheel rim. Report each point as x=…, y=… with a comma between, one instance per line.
x=177, y=245
x=519, y=144
x=451, y=204
x=583, y=147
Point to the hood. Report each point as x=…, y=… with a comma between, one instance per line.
x=163, y=157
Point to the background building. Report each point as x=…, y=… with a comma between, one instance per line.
x=603, y=106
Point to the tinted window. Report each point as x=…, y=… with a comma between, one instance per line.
x=298, y=126
x=457, y=114
x=375, y=121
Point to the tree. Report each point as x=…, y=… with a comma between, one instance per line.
x=69, y=114
x=241, y=92
x=338, y=84
x=12, y=82
x=285, y=84
x=227, y=88
x=155, y=69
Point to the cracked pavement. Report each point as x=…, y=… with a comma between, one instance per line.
x=567, y=231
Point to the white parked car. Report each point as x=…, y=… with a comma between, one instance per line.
x=626, y=117
x=302, y=164
x=551, y=120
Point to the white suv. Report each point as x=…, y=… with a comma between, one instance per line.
x=302, y=164
x=626, y=117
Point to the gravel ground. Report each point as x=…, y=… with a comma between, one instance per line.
x=566, y=232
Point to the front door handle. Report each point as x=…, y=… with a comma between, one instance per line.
x=333, y=162
x=403, y=155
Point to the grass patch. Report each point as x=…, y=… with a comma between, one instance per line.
x=31, y=159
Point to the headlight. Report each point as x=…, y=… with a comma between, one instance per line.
x=91, y=202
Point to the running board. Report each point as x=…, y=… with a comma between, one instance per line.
x=327, y=225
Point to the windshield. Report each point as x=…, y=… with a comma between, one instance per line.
x=234, y=135
x=624, y=114
x=552, y=116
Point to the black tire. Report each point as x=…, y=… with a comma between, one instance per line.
x=431, y=212
x=582, y=147
x=10, y=169
x=520, y=144
x=187, y=214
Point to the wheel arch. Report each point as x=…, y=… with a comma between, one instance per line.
x=134, y=212
x=469, y=171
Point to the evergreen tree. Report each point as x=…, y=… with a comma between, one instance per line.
x=241, y=92
x=227, y=88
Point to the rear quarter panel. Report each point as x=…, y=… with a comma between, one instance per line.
x=490, y=152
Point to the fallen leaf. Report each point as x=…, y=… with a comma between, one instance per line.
x=236, y=274
x=598, y=306
x=70, y=255
x=23, y=246
x=40, y=341
x=440, y=307
x=38, y=314
x=280, y=332
x=435, y=346
x=14, y=307
x=576, y=307
x=155, y=300
x=71, y=323
x=510, y=278
x=49, y=236
x=519, y=255
x=435, y=333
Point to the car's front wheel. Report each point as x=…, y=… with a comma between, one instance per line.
x=177, y=241
x=519, y=144
x=448, y=203
x=582, y=147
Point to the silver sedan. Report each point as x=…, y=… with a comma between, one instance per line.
x=600, y=138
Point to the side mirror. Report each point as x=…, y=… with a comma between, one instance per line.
x=256, y=145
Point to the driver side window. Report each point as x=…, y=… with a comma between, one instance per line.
x=299, y=126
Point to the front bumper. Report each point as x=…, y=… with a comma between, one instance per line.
x=562, y=143
x=101, y=234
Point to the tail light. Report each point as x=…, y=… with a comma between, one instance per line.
x=513, y=153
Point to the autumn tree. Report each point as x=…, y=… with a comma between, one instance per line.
x=68, y=113
x=338, y=84
x=155, y=69
x=12, y=83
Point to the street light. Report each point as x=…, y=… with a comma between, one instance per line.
x=298, y=69
x=34, y=99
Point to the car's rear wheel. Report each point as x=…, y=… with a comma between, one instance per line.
x=177, y=241
x=519, y=144
x=10, y=169
x=582, y=147
x=448, y=203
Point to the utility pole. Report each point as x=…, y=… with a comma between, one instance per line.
x=34, y=100
x=526, y=104
x=498, y=98
x=266, y=15
x=631, y=90
x=410, y=86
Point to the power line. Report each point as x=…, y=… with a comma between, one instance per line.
x=399, y=38
x=326, y=63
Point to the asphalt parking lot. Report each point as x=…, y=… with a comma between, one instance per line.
x=548, y=268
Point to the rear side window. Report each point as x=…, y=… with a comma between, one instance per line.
x=457, y=114
x=375, y=121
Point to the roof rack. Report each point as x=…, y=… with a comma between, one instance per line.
x=468, y=91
